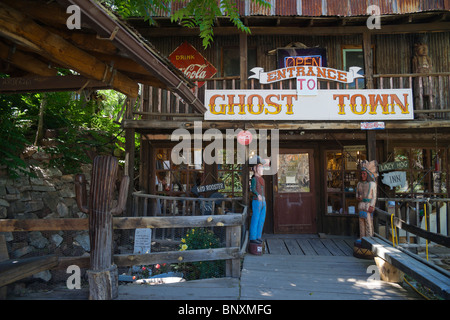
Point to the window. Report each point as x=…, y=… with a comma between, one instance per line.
x=172, y=179
x=353, y=56
x=342, y=176
x=427, y=170
x=231, y=61
x=293, y=173
x=231, y=176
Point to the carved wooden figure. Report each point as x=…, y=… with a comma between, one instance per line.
x=103, y=274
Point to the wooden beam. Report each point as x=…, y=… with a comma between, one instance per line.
x=316, y=31
x=24, y=61
x=243, y=53
x=49, y=13
x=13, y=270
x=368, y=70
x=44, y=84
x=177, y=221
x=18, y=27
x=123, y=260
x=317, y=125
x=88, y=42
x=11, y=225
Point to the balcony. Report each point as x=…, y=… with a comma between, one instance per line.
x=430, y=91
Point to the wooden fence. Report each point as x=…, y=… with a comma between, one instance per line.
x=159, y=205
x=232, y=252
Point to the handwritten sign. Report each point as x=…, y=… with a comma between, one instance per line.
x=390, y=166
x=211, y=187
x=142, y=240
x=394, y=179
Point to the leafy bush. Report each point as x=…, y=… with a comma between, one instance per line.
x=12, y=136
x=201, y=238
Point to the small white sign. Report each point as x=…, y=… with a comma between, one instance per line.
x=142, y=241
x=372, y=126
x=307, y=86
x=394, y=179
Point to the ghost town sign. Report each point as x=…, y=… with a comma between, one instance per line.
x=308, y=102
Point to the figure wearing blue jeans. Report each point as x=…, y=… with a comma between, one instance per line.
x=258, y=205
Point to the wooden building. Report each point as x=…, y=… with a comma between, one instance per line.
x=326, y=151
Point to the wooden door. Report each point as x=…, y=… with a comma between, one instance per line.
x=294, y=190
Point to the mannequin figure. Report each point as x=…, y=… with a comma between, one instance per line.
x=258, y=205
x=366, y=194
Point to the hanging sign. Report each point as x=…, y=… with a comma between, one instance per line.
x=308, y=102
x=351, y=104
x=292, y=56
x=192, y=63
x=210, y=187
x=389, y=166
x=394, y=179
x=306, y=71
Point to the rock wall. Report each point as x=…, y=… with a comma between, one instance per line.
x=50, y=195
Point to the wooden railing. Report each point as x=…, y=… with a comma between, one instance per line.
x=232, y=251
x=431, y=94
x=158, y=205
x=412, y=223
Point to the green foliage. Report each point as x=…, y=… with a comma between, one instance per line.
x=82, y=127
x=12, y=135
x=195, y=14
x=201, y=238
x=14, y=126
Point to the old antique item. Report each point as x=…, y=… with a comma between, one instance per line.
x=366, y=194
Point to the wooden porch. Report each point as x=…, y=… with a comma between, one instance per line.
x=309, y=268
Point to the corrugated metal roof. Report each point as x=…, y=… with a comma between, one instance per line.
x=343, y=8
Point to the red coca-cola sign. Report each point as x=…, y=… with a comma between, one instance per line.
x=192, y=63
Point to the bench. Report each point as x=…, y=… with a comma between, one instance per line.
x=429, y=275
x=12, y=270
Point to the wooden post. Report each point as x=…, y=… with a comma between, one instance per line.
x=243, y=60
x=233, y=239
x=368, y=70
x=103, y=274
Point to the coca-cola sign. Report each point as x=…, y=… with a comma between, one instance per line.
x=192, y=63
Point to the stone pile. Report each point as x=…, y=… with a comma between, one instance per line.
x=49, y=195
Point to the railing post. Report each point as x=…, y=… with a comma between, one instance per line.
x=233, y=239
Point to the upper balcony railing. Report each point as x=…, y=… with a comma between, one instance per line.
x=430, y=91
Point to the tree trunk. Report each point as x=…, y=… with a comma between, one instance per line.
x=40, y=127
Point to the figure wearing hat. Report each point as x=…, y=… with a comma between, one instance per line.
x=366, y=194
x=258, y=202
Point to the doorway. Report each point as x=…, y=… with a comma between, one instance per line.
x=294, y=192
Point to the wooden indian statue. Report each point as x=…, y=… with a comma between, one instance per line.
x=366, y=194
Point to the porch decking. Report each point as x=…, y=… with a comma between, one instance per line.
x=294, y=267
x=309, y=245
